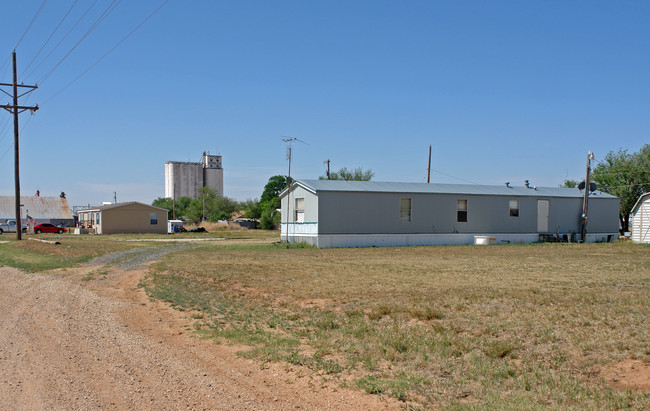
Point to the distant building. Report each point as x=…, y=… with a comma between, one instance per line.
x=124, y=218
x=640, y=221
x=185, y=179
x=369, y=213
x=53, y=210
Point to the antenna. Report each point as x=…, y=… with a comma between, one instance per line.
x=289, y=140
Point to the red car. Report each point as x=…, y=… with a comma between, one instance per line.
x=48, y=228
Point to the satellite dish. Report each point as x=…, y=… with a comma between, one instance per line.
x=581, y=186
x=592, y=187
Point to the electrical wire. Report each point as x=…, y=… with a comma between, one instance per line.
x=63, y=39
x=3, y=156
x=21, y=130
x=4, y=130
x=449, y=175
x=49, y=38
x=108, y=52
x=31, y=23
x=101, y=18
x=4, y=67
x=625, y=185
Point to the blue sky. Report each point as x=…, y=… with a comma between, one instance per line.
x=502, y=90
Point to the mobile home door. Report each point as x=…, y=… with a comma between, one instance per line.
x=542, y=216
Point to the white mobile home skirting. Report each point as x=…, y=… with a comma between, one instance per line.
x=401, y=240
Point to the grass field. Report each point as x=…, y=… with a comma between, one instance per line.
x=458, y=327
x=34, y=256
x=525, y=327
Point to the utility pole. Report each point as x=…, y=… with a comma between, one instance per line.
x=15, y=109
x=585, y=203
x=429, y=168
x=288, y=140
x=174, y=200
x=328, y=168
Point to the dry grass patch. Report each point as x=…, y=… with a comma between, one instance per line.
x=34, y=256
x=503, y=326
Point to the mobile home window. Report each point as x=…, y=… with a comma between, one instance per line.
x=97, y=218
x=153, y=218
x=514, y=208
x=461, y=213
x=300, y=210
x=405, y=209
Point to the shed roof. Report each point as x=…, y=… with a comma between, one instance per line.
x=116, y=205
x=37, y=207
x=436, y=188
x=640, y=201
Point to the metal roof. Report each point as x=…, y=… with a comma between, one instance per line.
x=37, y=207
x=436, y=188
x=640, y=201
x=116, y=205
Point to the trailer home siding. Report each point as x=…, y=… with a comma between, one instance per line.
x=339, y=213
x=640, y=224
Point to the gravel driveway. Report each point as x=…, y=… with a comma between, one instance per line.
x=102, y=344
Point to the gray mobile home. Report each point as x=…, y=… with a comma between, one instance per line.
x=369, y=213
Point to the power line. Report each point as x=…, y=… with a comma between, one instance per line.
x=449, y=175
x=108, y=52
x=4, y=130
x=626, y=185
x=101, y=18
x=21, y=130
x=63, y=39
x=11, y=145
x=5, y=67
x=30, y=24
x=49, y=38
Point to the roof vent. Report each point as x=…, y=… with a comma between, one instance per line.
x=526, y=183
x=508, y=184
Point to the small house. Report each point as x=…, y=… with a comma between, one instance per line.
x=640, y=220
x=124, y=218
x=334, y=213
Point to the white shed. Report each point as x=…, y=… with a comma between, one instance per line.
x=641, y=220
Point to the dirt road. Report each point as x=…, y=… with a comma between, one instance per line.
x=101, y=344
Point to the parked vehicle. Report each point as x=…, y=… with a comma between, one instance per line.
x=10, y=227
x=48, y=228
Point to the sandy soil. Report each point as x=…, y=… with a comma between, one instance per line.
x=72, y=344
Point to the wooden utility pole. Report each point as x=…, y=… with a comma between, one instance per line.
x=429, y=168
x=174, y=200
x=15, y=109
x=585, y=202
x=288, y=140
x=328, y=167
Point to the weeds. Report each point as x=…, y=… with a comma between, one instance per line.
x=503, y=327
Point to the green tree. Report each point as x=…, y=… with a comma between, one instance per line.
x=163, y=202
x=626, y=176
x=358, y=174
x=209, y=206
x=569, y=184
x=270, y=201
x=181, y=205
x=274, y=187
x=270, y=218
x=252, y=208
